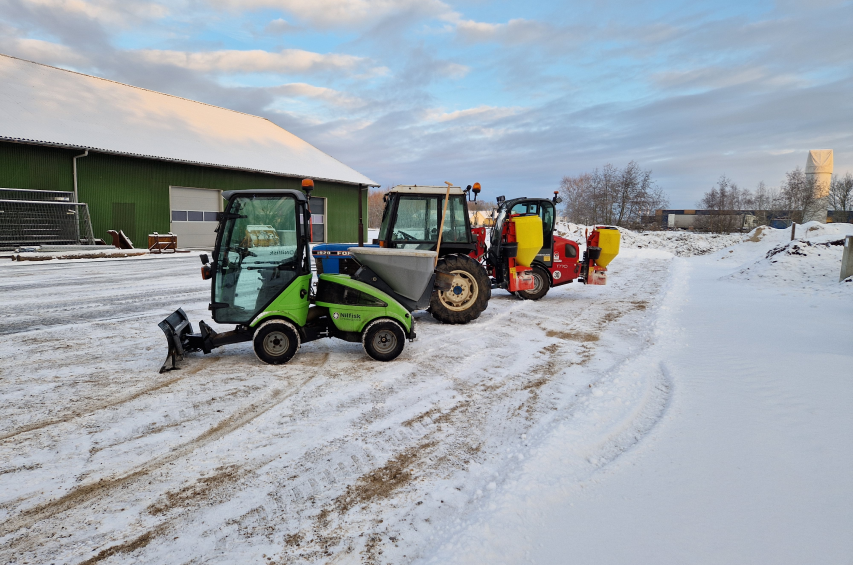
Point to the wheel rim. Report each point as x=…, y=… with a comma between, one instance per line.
x=462, y=294
x=384, y=341
x=276, y=343
x=537, y=283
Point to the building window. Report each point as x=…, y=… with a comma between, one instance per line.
x=318, y=219
x=193, y=216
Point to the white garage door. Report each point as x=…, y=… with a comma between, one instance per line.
x=194, y=215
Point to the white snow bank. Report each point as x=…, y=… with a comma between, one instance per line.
x=812, y=261
x=679, y=243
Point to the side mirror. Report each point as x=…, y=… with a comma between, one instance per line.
x=204, y=259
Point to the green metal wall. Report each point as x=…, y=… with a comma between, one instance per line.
x=132, y=194
x=36, y=168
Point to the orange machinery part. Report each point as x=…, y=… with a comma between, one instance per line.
x=520, y=277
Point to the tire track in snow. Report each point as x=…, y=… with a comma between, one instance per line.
x=484, y=364
x=93, y=490
x=107, y=403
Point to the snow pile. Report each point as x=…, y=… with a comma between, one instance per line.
x=811, y=261
x=679, y=243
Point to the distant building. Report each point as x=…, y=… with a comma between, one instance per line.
x=146, y=161
x=744, y=220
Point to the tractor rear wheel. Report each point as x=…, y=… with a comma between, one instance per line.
x=383, y=339
x=541, y=281
x=467, y=297
x=276, y=342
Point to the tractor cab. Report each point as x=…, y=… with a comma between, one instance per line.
x=532, y=207
x=261, y=250
x=412, y=218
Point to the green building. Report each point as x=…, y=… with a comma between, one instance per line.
x=149, y=162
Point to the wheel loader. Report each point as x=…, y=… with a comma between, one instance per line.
x=260, y=277
x=522, y=255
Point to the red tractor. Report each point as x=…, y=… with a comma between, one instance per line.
x=511, y=258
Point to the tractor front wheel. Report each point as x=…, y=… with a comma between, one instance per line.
x=468, y=295
x=276, y=342
x=541, y=282
x=383, y=339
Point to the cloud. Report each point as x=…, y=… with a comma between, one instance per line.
x=303, y=90
x=515, y=104
x=111, y=12
x=480, y=113
x=279, y=27
x=722, y=77
x=40, y=51
x=515, y=31
x=254, y=61
x=339, y=13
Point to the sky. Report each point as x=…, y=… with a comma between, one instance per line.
x=514, y=95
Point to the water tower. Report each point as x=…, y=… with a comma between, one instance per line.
x=819, y=169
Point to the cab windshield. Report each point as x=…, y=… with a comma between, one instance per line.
x=258, y=255
x=419, y=217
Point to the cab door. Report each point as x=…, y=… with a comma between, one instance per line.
x=545, y=210
x=259, y=254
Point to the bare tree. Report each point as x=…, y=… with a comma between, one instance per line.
x=375, y=206
x=723, y=201
x=482, y=206
x=611, y=196
x=576, y=193
x=841, y=193
x=798, y=194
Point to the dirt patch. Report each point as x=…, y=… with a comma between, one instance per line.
x=91, y=491
x=105, y=404
x=640, y=304
x=435, y=414
x=126, y=547
x=573, y=336
x=201, y=488
x=757, y=234
x=535, y=383
x=384, y=481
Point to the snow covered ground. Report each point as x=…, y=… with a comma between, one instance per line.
x=679, y=243
x=694, y=410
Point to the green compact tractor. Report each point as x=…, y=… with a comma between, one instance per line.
x=260, y=275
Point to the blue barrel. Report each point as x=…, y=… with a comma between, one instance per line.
x=333, y=258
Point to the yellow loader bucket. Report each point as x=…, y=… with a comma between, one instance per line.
x=528, y=234
x=608, y=241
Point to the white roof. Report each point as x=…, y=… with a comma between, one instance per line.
x=46, y=105
x=415, y=189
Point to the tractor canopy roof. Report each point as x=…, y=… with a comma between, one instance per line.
x=415, y=189
x=298, y=194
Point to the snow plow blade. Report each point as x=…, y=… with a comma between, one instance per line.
x=176, y=327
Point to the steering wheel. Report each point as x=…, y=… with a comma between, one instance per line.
x=245, y=252
x=405, y=235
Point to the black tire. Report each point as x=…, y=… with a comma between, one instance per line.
x=542, y=282
x=276, y=342
x=383, y=339
x=469, y=295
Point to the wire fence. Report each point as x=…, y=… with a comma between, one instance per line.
x=42, y=217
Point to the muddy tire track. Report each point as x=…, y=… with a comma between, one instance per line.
x=100, y=488
x=364, y=444
x=108, y=403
